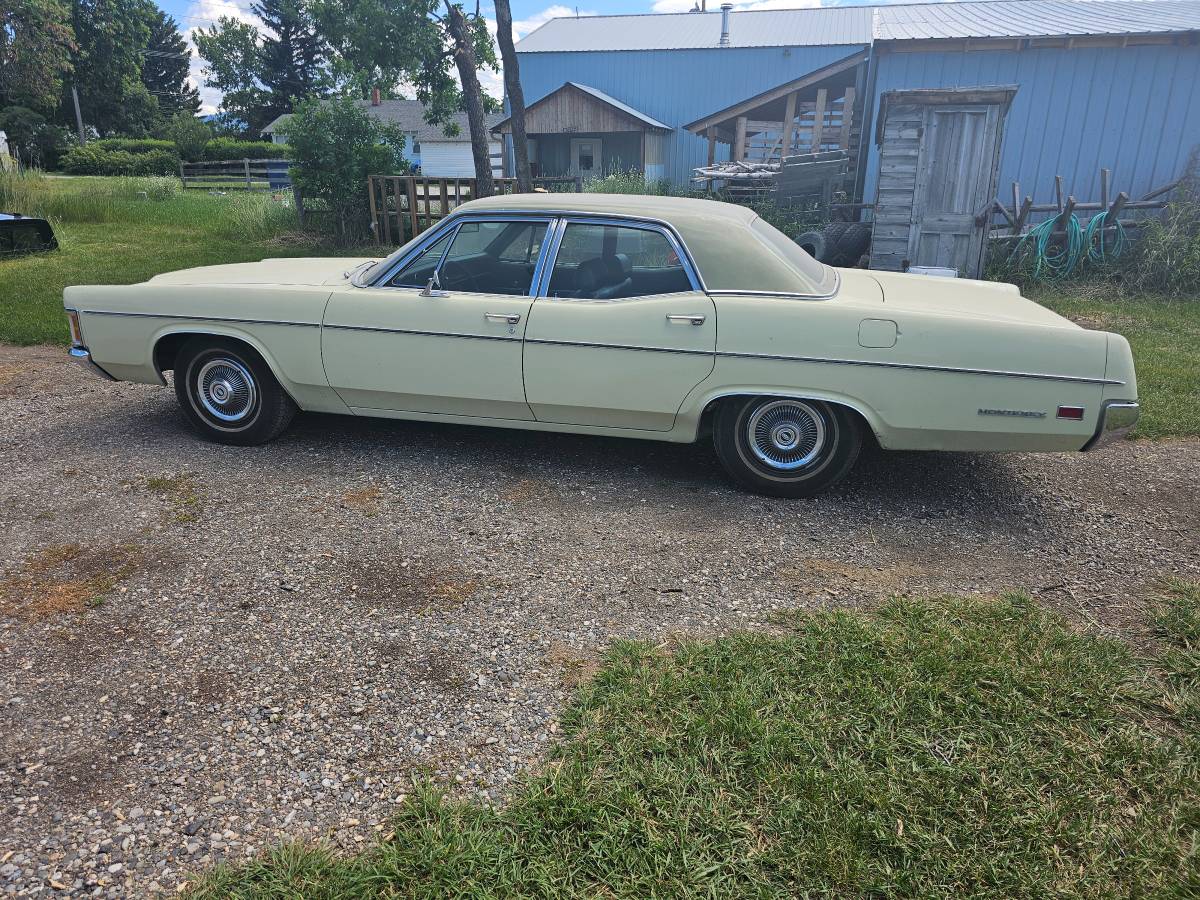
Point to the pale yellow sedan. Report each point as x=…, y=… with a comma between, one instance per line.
x=642, y=317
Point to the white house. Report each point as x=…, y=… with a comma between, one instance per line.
x=431, y=151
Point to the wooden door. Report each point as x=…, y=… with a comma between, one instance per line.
x=956, y=177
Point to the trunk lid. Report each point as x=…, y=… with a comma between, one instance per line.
x=964, y=298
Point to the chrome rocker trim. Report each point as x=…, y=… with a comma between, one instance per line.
x=83, y=357
x=1117, y=418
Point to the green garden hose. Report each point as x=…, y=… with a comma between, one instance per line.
x=1057, y=257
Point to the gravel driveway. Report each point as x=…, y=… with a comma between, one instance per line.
x=204, y=650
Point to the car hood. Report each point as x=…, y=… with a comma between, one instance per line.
x=963, y=298
x=294, y=271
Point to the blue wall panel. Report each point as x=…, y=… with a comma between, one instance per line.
x=1134, y=110
x=677, y=86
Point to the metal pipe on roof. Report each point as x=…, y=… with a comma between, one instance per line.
x=726, y=8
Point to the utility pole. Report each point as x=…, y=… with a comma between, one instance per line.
x=78, y=116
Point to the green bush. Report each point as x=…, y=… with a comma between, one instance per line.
x=335, y=145
x=631, y=182
x=1166, y=256
x=94, y=160
x=133, y=145
x=189, y=136
x=228, y=148
x=33, y=140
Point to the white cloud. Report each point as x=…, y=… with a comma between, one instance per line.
x=493, y=81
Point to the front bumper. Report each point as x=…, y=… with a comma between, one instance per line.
x=1117, y=418
x=82, y=356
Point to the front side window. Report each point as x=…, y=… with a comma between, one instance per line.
x=608, y=262
x=493, y=257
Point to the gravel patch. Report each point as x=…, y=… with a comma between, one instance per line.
x=205, y=650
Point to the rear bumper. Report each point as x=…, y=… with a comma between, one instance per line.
x=1117, y=418
x=83, y=357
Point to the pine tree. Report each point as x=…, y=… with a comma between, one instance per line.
x=165, y=66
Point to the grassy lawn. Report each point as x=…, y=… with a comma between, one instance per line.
x=929, y=749
x=1165, y=337
x=111, y=235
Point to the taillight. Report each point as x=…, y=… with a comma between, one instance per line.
x=1071, y=412
x=76, y=331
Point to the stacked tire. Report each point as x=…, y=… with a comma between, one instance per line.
x=838, y=243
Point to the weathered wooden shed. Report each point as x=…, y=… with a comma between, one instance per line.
x=939, y=155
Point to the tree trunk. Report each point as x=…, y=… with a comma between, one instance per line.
x=464, y=58
x=516, y=96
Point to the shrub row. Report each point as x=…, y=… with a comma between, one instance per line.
x=135, y=145
x=229, y=148
x=93, y=160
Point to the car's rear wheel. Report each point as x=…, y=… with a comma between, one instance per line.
x=228, y=394
x=784, y=446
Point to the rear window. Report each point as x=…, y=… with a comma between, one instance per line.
x=819, y=275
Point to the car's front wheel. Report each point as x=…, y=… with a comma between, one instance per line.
x=228, y=394
x=786, y=447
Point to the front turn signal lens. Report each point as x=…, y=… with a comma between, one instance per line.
x=76, y=331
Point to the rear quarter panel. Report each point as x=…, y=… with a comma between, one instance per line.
x=122, y=324
x=926, y=391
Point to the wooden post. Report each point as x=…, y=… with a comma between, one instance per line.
x=739, y=140
x=1058, y=192
x=847, y=118
x=711, y=133
x=789, y=124
x=247, y=162
x=1105, y=174
x=183, y=177
x=1022, y=215
x=378, y=226
x=298, y=199
x=819, y=120
x=1115, y=209
x=411, y=188
x=444, y=200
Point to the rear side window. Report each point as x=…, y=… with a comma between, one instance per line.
x=610, y=262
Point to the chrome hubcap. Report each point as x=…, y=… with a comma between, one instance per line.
x=226, y=389
x=786, y=434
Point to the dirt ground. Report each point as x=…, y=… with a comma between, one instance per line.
x=205, y=649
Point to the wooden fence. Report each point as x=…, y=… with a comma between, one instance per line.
x=403, y=206
x=236, y=174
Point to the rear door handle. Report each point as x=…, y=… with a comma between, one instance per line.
x=510, y=318
x=686, y=320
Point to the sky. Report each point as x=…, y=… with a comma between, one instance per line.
x=527, y=15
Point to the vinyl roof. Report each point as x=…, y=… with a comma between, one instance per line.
x=863, y=24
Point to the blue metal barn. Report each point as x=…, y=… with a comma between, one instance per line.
x=1107, y=84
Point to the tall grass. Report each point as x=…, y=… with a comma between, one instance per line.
x=101, y=200
x=257, y=217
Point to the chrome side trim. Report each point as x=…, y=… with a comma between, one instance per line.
x=1117, y=418
x=141, y=315
x=443, y=334
x=920, y=367
x=588, y=344
x=83, y=357
x=837, y=286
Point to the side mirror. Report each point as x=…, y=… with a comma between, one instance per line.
x=433, y=287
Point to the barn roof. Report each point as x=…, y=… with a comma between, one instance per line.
x=848, y=25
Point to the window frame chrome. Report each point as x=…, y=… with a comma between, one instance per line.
x=566, y=219
x=450, y=226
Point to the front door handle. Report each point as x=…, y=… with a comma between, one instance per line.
x=686, y=320
x=510, y=318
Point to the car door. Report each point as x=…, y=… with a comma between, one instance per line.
x=450, y=348
x=621, y=331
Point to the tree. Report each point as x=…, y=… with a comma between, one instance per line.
x=36, y=43
x=516, y=95
x=31, y=138
x=262, y=73
x=334, y=146
x=110, y=36
x=165, y=65
x=412, y=41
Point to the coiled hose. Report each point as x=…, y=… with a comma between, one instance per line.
x=1054, y=259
